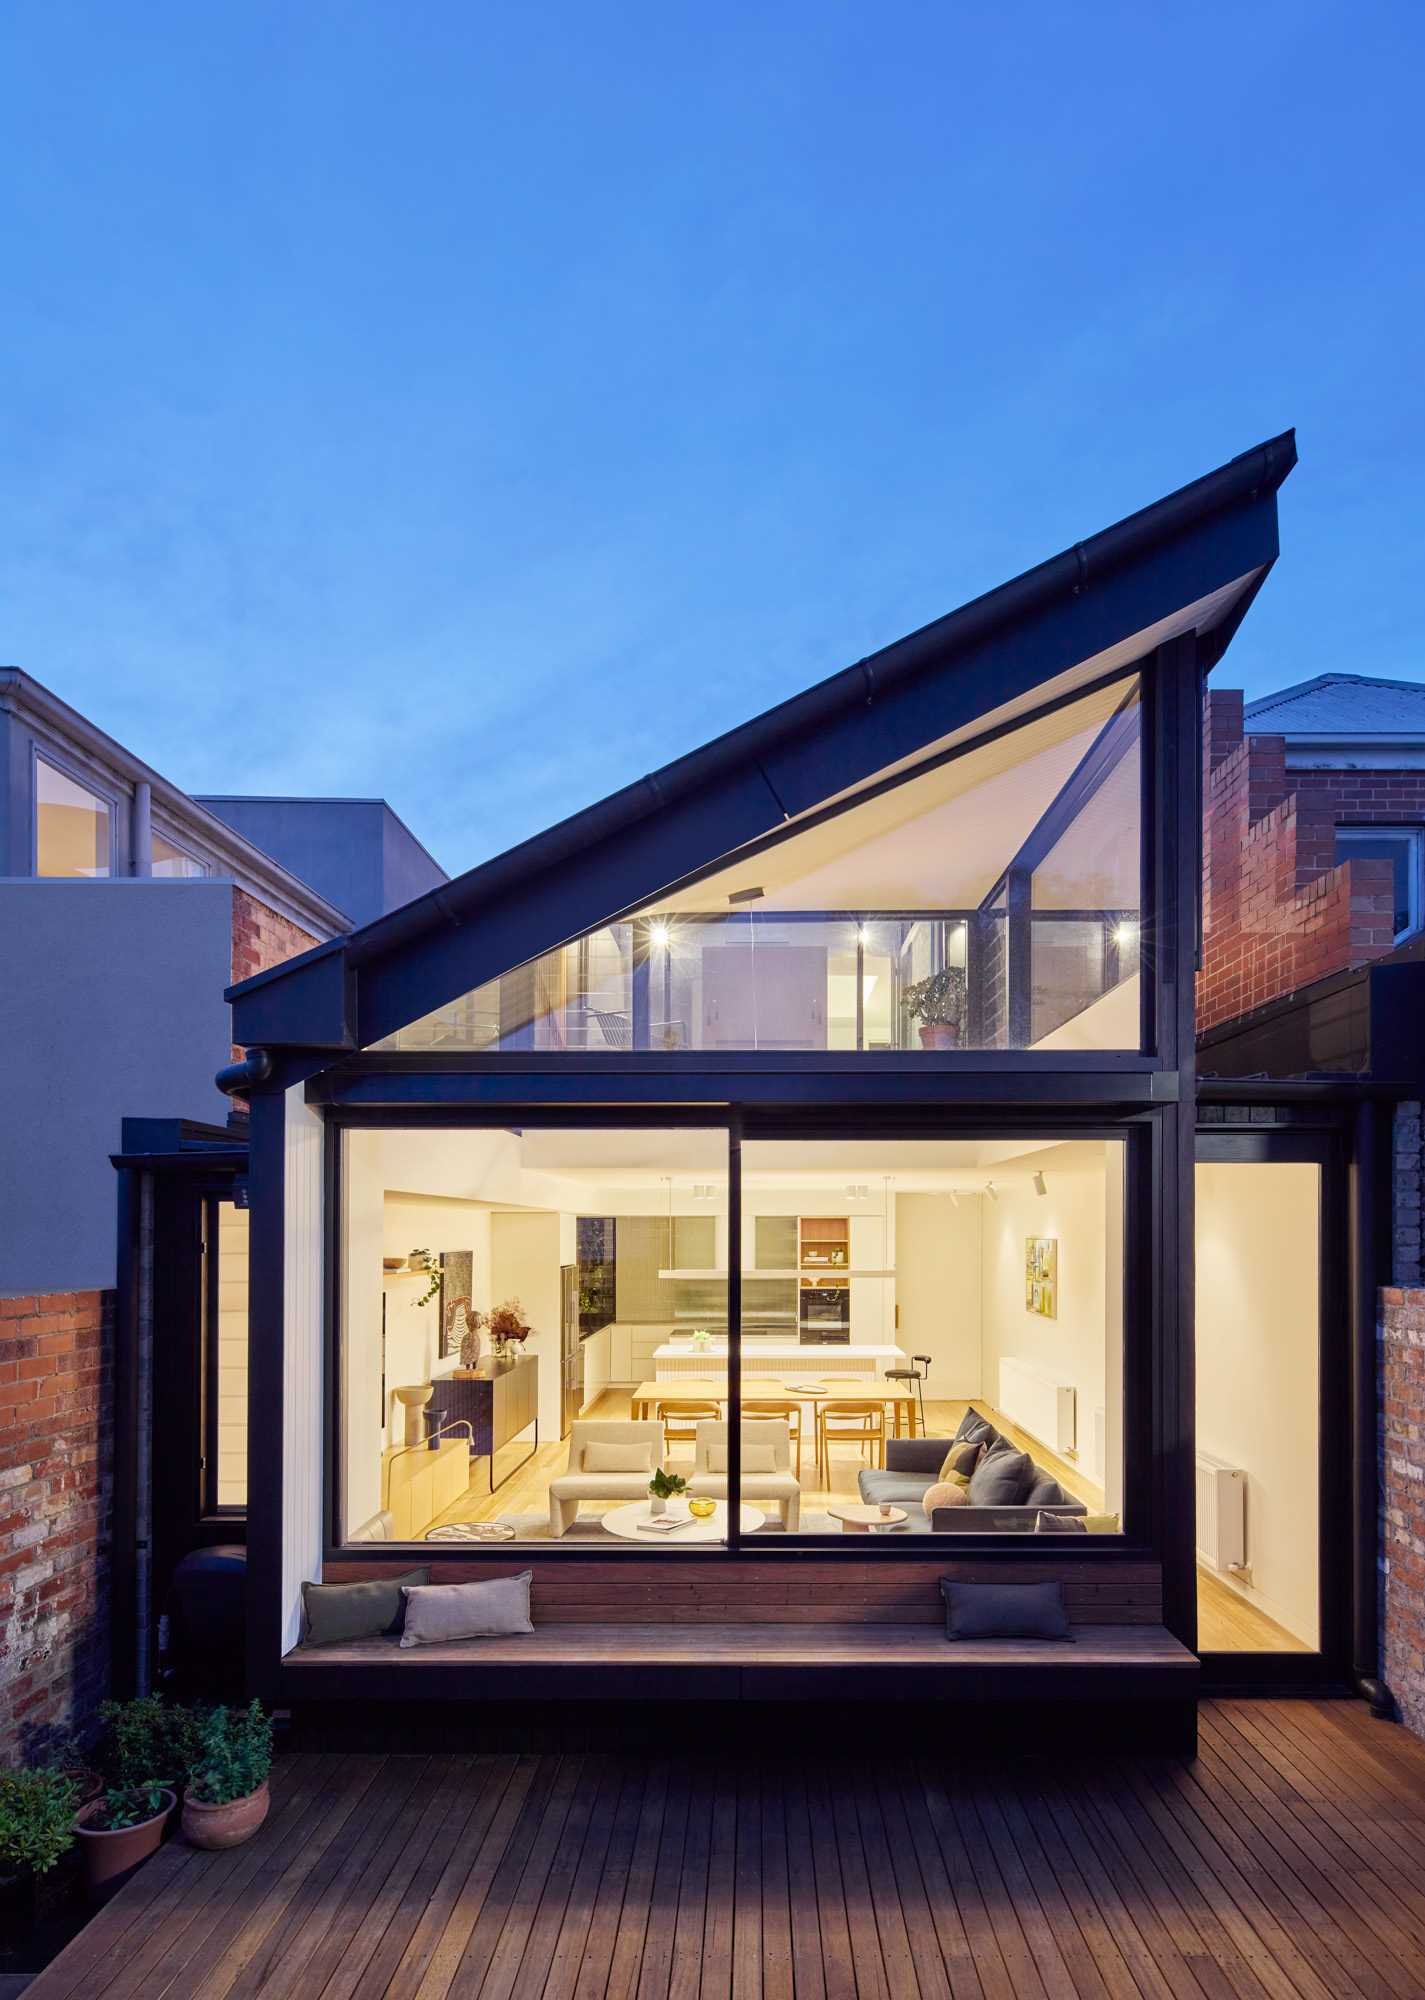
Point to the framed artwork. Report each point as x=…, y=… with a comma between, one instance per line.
x=457, y=1279
x=1041, y=1276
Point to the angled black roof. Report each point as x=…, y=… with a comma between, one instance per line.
x=1207, y=545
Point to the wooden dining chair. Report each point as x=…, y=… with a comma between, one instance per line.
x=788, y=1412
x=860, y=1423
x=680, y=1417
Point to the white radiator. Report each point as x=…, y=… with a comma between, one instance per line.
x=1039, y=1402
x=1221, y=1512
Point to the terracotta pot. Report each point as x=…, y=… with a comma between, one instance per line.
x=89, y=1782
x=939, y=1035
x=110, y=1858
x=224, y=1826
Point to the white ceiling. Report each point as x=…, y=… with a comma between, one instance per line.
x=650, y=1158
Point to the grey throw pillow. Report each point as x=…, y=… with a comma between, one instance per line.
x=1002, y=1477
x=1045, y=1492
x=1004, y=1610
x=974, y=1429
x=491, y=1610
x=337, y=1611
x=1059, y=1524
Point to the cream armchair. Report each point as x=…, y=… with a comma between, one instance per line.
x=766, y=1466
x=586, y=1482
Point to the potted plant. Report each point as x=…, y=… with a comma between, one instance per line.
x=118, y=1832
x=428, y=1266
x=663, y=1487
x=508, y=1328
x=37, y=1811
x=938, y=1003
x=226, y=1800
x=147, y=1741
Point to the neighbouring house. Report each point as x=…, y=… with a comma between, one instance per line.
x=825, y=1100
x=1314, y=979
x=126, y=908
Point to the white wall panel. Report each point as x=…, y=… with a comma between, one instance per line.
x=302, y=1362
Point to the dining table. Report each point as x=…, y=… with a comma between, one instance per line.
x=810, y=1388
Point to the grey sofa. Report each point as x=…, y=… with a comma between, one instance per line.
x=912, y=1468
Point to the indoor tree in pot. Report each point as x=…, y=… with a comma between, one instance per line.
x=938, y=1003
x=226, y=1800
x=118, y=1832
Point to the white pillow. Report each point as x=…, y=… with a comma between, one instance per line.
x=618, y=1457
x=490, y=1610
x=755, y=1458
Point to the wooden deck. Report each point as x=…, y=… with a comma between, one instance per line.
x=1285, y=1860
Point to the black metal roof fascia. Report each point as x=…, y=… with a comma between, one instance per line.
x=862, y=719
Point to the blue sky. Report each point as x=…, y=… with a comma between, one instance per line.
x=480, y=405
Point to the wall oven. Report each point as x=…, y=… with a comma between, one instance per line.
x=825, y=1315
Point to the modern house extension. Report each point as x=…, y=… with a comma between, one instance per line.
x=825, y=1097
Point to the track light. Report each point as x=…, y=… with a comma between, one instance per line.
x=1041, y=1186
x=990, y=1190
x=658, y=934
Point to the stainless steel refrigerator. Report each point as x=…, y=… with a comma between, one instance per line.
x=571, y=1354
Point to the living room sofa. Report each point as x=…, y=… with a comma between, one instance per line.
x=913, y=1466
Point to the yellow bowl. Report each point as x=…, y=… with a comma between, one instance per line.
x=702, y=1510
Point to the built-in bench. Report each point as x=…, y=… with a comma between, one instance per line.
x=750, y=1631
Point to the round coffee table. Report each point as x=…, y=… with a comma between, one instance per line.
x=857, y=1519
x=627, y=1521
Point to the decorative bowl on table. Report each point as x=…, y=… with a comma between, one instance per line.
x=701, y=1509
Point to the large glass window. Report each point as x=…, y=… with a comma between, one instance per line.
x=897, y=1297
x=1258, y=1406
x=932, y=1341
x=523, y=1310
x=988, y=898
x=73, y=825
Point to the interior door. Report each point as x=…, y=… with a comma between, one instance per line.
x=764, y=996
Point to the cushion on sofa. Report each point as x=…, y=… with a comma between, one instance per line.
x=489, y=1610
x=947, y=1493
x=1004, y=1610
x=974, y=1429
x=337, y=1611
x=1103, y=1524
x=962, y=1458
x=1002, y=1477
x=1059, y=1524
x=618, y=1457
x=1045, y=1491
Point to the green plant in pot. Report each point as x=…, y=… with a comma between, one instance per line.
x=118, y=1832
x=226, y=1800
x=938, y=1003
x=147, y=1741
x=37, y=1811
x=663, y=1487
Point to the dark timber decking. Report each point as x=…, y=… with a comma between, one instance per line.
x=1287, y=1859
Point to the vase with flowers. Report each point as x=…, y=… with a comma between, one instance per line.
x=508, y=1329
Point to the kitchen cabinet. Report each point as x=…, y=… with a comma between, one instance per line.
x=765, y=996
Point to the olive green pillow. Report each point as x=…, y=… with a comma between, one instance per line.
x=961, y=1459
x=339, y=1611
x=1102, y=1524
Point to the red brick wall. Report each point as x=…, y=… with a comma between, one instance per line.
x=262, y=939
x=1402, y=1473
x=1277, y=912
x=55, y=1473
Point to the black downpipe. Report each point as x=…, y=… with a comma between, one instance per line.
x=255, y=1068
x=1365, y=1269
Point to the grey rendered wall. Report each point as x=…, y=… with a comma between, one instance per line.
x=111, y=1006
x=355, y=852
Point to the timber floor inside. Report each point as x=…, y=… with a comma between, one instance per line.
x=1285, y=1860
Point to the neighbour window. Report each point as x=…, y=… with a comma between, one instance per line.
x=1402, y=847
x=987, y=898
x=73, y=826
x=171, y=863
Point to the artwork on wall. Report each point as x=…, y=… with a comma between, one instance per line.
x=457, y=1268
x=1041, y=1276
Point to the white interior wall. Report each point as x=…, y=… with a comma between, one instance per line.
x=426, y=1222
x=302, y=1372
x=1258, y=1371
x=1071, y=1346
x=937, y=1288
x=524, y=1253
